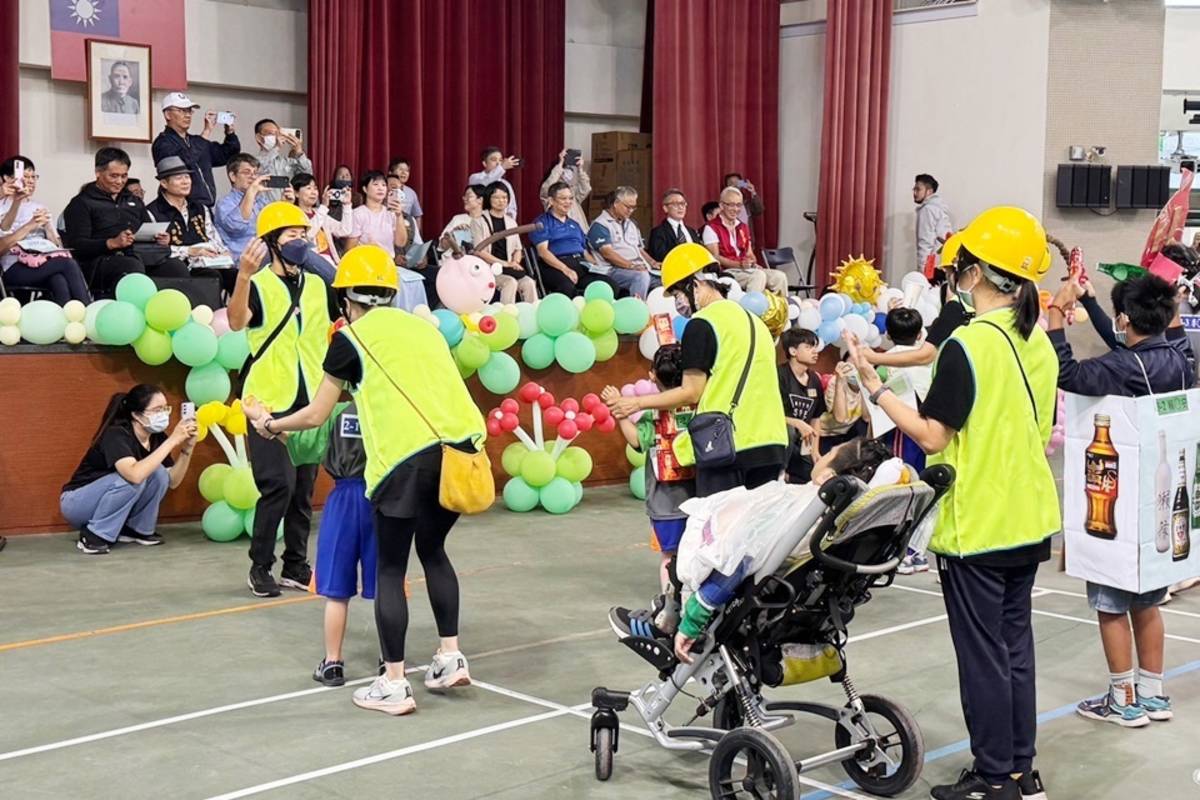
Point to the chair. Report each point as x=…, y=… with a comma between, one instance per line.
x=534, y=265
x=31, y=292
x=784, y=260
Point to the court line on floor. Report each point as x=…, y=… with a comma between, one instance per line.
x=1161, y=608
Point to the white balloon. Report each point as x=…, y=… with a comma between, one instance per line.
x=735, y=291
x=928, y=312
x=810, y=302
x=648, y=343
x=75, y=332
x=794, y=308
x=510, y=308
x=887, y=296
x=579, y=302
x=658, y=302
x=421, y=310
x=10, y=335
x=10, y=312
x=914, y=278
x=809, y=319
x=874, y=337
x=74, y=311
x=857, y=325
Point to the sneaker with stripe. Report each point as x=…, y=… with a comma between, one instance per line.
x=1105, y=709
x=626, y=623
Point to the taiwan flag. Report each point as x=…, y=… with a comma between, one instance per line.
x=157, y=23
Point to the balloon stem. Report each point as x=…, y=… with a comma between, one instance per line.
x=524, y=439
x=537, y=424
x=222, y=440
x=560, y=444
x=239, y=443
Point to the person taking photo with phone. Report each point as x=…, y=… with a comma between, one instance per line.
x=237, y=214
x=279, y=153
x=568, y=169
x=495, y=166
x=197, y=151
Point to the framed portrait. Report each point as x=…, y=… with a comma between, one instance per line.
x=118, y=90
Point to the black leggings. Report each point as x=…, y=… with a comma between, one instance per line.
x=395, y=539
x=59, y=276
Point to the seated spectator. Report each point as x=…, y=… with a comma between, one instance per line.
x=341, y=199
x=729, y=240
x=237, y=213
x=495, y=165
x=673, y=230
x=197, y=152
x=401, y=170
x=574, y=176
x=279, y=154
x=135, y=188
x=506, y=252
x=323, y=229
x=100, y=222
x=380, y=219
x=117, y=488
x=754, y=203
x=469, y=226
x=396, y=192
x=562, y=247
x=710, y=210
x=615, y=237
x=191, y=234
x=118, y=100
x=803, y=401
x=31, y=253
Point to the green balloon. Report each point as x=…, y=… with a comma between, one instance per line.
x=248, y=519
x=153, y=348
x=557, y=496
x=472, y=352
x=240, y=491
x=194, y=344
x=137, y=289
x=538, y=351
x=222, y=522
x=207, y=383
x=600, y=290
x=233, y=349
x=537, y=469
x=575, y=464
x=512, y=457
x=42, y=322
x=630, y=315
x=500, y=375
x=636, y=458
x=168, y=310
x=637, y=482
x=556, y=314
x=526, y=319
x=574, y=352
x=578, y=493
x=508, y=330
x=520, y=496
x=212, y=482
x=89, y=318
x=463, y=370
x=120, y=323
x=606, y=344
x=597, y=316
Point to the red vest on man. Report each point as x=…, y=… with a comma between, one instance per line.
x=731, y=244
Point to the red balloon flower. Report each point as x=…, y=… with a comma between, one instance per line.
x=510, y=406
x=567, y=429
x=553, y=416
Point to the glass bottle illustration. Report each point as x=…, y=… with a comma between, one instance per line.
x=1101, y=473
x=1196, y=491
x=1162, y=498
x=1181, y=533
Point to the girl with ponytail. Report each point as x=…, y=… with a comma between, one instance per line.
x=117, y=488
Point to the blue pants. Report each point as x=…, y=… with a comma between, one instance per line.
x=110, y=503
x=636, y=282
x=346, y=539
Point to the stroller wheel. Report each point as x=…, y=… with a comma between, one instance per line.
x=895, y=763
x=604, y=754
x=751, y=763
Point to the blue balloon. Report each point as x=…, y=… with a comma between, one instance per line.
x=755, y=302
x=868, y=312
x=847, y=303
x=677, y=325
x=450, y=326
x=830, y=307
x=881, y=321
x=830, y=331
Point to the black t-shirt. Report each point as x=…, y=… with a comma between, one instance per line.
x=116, y=443
x=952, y=392
x=948, y=319
x=342, y=361
x=698, y=348
x=802, y=401
x=293, y=285
x=500, y=246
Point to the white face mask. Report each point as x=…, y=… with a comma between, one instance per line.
x=269, y=141
x=158, y=421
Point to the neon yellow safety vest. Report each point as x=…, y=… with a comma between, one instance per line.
x=758, y=420
x=298, y=352
x=1003, y=495
x=412, y=353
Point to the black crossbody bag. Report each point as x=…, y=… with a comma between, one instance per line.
x=712, y=431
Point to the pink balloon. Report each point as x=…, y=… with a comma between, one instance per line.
x=220, y=321
x=644, y=387
x=628, y=390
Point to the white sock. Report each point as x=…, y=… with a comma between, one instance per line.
x=1120, y=686
x=1150, y=683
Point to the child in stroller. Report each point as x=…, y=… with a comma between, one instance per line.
x=777, y=618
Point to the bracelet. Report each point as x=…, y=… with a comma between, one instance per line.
x=185, y=452
x=878, y=393
x=1057, y=308
x=267, y=427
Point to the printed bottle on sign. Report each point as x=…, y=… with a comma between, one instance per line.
x=1162, y=498
x=1100, y=464
x=1196, y=491
x=1181, y=534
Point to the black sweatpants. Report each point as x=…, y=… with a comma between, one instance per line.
x=59, y=276
x=556, y=281
x=395, y=538
x=286, y=495
x=990, y=615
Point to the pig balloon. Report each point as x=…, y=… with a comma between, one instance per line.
x=466, y=283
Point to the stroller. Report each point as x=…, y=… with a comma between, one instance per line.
x=858, y=537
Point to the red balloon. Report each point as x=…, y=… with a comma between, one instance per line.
x=570, y=404
x=584, y=422
x=601, y=413
x=529, y=392
x=608, y=425
x=545, y=400
x=590, y=399
x=487, y=324
x=567, y=429
x=553, y=416
x=493, y=426
x=509, y=422
x=510, y=406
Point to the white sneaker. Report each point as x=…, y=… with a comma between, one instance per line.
x=390, y=697
x=447, y=671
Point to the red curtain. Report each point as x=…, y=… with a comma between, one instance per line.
x=858, y=44
x=716, y=101
x=10, y=80
x=436, y=81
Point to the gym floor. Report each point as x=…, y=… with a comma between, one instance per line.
x=152, y=672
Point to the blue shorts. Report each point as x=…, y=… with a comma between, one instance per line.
x=668, y=532
x=346, y=540
x=1120, y=601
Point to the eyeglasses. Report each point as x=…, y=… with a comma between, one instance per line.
x=158, y=410
x=678, y=203
x=732, y=205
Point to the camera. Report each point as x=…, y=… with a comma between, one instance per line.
x=1188, y=107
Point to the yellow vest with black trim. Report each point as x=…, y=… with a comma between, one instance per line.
x=1004, y=494
x=758, y=420
x=411, y=352
x=298, y=352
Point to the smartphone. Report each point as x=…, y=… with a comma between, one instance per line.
x=226, y=118
x=743, y=184
x=19, y=174
x=571, y=159
x=396, y=194
x=278, y=182
x=295, y=133
x=339, y=184
x=188, y=410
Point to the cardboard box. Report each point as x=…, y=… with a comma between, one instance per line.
x=604, y=177
x=635, y=168
x=605, y=146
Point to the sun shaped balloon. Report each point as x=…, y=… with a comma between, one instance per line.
x=776, y=316
x=858, y=278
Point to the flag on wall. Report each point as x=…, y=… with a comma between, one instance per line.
x=158, y=23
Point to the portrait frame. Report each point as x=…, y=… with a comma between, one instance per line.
x=113, y=114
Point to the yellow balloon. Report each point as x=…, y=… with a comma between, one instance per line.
x=858, y=278
x=211, y=413
x=201, y=432
x=75, y=332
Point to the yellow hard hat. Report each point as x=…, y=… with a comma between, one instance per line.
x=366, y=265
x=278, y=215
x=685, y=260
x=950, y=251
x=1009, y=239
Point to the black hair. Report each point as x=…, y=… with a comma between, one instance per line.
x=123, y=405
x=904, y=325
x=124, y=64
x=725, y=180
x=397, y=161
x=302, y=179
x=796, y=336
x=668, y=366
x=235, y=163
x=928, y=180
x=860, y=458
x=133, y=182
x=709, y=207
x=557, y=187
x=341, y=167
x=1026, y=304
x=487, y=151
x=1148, y=301
x=369, y=177
x=490, y=190
x=8, y=168
x=107, y=155
x=479, y=190
x=258, y=126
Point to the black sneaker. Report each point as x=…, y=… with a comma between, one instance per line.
x=296, y=577
x=130, y=536
x=262, y=582
x=330, y=673
x=972, y=786
x=90, y=544
x=1031, y=786
x=640, y=623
